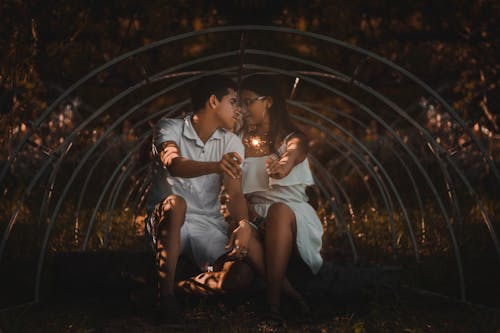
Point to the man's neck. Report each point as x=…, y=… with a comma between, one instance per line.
x=204, y=125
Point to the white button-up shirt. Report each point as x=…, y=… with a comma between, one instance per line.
x=201, y=193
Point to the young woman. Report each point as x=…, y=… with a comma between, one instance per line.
x=275, y=176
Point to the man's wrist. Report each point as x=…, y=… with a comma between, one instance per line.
x=216, y=168
x=243, y=221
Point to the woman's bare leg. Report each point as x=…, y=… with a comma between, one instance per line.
x=280, y=230
x=257, y=260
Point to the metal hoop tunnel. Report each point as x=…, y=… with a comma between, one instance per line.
x=353, y=150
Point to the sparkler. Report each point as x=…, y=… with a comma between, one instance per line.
x=255, y=142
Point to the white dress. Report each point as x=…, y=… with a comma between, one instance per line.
x=262, y=191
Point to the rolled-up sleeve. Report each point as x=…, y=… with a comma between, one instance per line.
x=166, y=130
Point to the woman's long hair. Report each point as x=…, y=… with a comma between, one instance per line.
x=279, y=119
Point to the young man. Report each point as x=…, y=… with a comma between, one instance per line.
x=198, y=154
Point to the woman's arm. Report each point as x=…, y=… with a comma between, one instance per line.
x=295, y=153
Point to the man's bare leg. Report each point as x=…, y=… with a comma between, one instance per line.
x=172, y=214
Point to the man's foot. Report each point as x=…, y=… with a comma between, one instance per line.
x=167, y=311
x=271, y=320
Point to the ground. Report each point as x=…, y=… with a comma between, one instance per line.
x=368, y=311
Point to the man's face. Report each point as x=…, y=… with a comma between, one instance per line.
x=228, y=110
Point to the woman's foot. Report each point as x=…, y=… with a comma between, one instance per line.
x=271, y=320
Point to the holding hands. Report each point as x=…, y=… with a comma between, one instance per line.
x=230, y=165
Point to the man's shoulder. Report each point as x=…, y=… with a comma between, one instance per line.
x=170, y=123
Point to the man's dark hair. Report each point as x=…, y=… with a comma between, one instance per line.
x=217, y=85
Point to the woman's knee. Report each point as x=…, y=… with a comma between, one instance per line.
x=279, y=214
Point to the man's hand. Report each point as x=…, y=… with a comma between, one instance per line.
x=230, y=165
x=239, y=239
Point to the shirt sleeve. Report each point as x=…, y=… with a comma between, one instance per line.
x=235, y=145
x=166, y=130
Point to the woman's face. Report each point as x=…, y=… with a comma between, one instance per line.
x=254, y=107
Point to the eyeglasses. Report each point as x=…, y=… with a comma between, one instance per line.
x=235, y=103
x=249, y=101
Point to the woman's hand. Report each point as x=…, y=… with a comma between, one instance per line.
x=278, y=168
x=295, y=153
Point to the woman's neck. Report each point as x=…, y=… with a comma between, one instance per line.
x=262, y=129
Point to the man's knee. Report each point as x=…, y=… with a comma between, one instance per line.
x=170, y=205
x=175, y=202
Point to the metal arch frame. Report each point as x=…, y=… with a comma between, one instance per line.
x=246, y=28
x=412, y=180
x=183, y=65
x=425, y=132
x=429, y=88
x=359, y=143
x=140, y=123
x=232, y=52
x=249, y=51
x=90, y=173
x=337, y=183
x=50, y=187
x=412, y=122
x=103, y=136
x=86, y=122
x=445, y=215
x=73, y=176
x=76, y=170
x=343, y=77
x=169, y=110
x=88, y=231
x=377, y=178
x=114, y=195
x=108, y=183
x=174, y=109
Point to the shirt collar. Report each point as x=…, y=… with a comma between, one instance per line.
x=189, y=132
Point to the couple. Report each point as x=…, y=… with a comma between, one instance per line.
x=264, y=172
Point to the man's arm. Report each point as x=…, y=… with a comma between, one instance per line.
x=237, y=206
x=182, y=167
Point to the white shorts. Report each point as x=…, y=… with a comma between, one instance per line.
x=202, y=237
